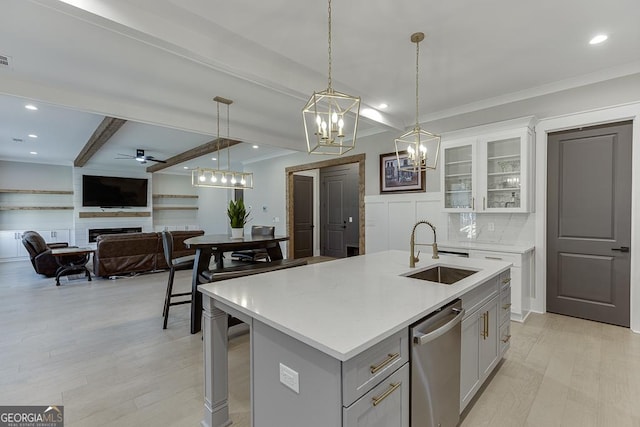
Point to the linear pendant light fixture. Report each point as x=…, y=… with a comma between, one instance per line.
x=331, y=118
x=221, y=178
x=417, y=150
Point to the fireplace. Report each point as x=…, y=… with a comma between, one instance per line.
x=95, y=232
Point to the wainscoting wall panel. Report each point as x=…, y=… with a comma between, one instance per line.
x=389, y=220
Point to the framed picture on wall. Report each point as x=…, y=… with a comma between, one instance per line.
x=394, y=180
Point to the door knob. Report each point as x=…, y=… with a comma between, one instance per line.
x=621, y=249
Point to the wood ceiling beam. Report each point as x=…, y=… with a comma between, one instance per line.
x=101, y=135
x=201, y=150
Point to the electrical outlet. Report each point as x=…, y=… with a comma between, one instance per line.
x=492, y=226
x=276, y=219
x=289, y=377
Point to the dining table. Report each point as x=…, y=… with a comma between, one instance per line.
x=214, y=246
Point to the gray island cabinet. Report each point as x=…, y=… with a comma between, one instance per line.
x=330, y=342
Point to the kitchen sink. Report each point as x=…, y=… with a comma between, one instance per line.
x=441, y=274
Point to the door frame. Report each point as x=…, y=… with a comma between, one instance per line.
x=314, y=210
x=572, y=121
x=358, y=158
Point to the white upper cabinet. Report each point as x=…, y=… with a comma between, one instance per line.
x=489, y=172
x=459, y=169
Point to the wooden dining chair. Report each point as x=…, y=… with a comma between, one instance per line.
x=256, y=254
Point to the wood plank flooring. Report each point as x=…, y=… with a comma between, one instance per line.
x=99, y=349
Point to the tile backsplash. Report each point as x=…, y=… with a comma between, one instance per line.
x=491, y=228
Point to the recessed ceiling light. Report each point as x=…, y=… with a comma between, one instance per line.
x=33, y=152
x=213, y=158
x=598, y=39
x=32, y=135
x=255, y=146
x=383, y=106
x=31, y=107
x=371, y=114
x=185, y=167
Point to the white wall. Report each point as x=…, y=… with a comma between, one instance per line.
x=171, y=219
x=212, y=212
x=165, y=183
x=33, y=176
x=389, y=220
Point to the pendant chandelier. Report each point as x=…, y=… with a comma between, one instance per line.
x=221, y=178
x=417, y=150
x=331, y=118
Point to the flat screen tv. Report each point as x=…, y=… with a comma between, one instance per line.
x=113, y=191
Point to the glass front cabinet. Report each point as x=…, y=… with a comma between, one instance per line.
x=489, y=173
x=459, y=171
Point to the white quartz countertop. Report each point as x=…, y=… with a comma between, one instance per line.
x=517, y=248
x=345, y=306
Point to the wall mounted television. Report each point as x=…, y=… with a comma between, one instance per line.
x=113, y=191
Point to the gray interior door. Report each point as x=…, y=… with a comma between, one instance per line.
x=302, y=216
x=339, y=209
x=589, y=223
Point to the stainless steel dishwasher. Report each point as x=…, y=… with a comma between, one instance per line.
x=435, y=368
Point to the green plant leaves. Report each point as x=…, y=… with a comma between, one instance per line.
x=237, y=213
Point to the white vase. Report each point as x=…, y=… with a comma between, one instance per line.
x=237, y=233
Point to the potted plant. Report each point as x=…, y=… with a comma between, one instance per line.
x=238, y=217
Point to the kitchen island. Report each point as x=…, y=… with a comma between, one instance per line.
x=328, y=339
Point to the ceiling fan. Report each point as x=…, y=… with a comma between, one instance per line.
x=140, y=156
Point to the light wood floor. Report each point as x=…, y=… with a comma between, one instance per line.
x=98, y=348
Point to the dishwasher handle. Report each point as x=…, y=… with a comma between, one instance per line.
x=421, y=339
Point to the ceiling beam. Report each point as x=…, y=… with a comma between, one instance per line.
x=201, y=150
x=101, y=135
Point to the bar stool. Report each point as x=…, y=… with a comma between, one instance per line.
x=174, y=264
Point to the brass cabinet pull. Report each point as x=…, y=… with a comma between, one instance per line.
x=483, y=334
x=377, y=400
x=506, y=280
x=390, y=357
x=473, y=203
x=506, y=338
x=483, y=204
x=494, y=257
x=487, y=324
x=506, y=306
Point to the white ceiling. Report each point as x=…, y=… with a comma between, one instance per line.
x=159, y=63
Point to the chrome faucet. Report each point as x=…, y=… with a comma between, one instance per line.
x=414, y=258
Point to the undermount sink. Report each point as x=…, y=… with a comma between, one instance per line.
x=441, y=274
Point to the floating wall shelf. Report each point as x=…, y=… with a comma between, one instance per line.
x=5, y=190
x=35, y=208
x=114, y=214
x=175, y=208
x=176, y=196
